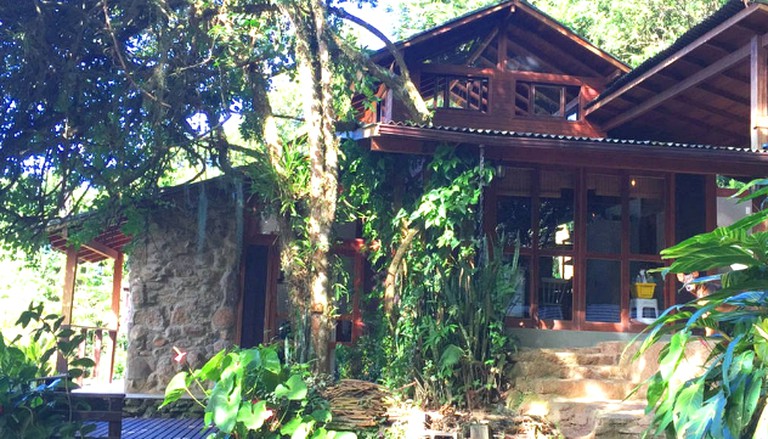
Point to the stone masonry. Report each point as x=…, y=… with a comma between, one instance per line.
x=183, y=293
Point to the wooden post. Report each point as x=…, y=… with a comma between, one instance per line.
x=117, y=288
x=758, y=64
x=67, y=299
x=70, y=277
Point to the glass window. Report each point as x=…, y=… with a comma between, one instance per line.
x=458, y=92
x=522, y=98
x=572, y=103
x=556, y=287
x=556, y=210
x=344, y=331
x=514, y=204
x=603, y=214
x=603, y=280
x=634, y=277
x=547, y=100
x=646, y=215
x=520, y=303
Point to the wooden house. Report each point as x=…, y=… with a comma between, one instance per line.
x=600, y=167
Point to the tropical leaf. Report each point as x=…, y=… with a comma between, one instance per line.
x=450, y=357
x=294, y=389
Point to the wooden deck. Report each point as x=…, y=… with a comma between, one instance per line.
x=156, y=428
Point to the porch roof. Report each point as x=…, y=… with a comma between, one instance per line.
x=570, y=150
x=696, y=90
x=106, y=245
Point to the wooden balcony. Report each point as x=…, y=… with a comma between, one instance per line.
x=494, y=99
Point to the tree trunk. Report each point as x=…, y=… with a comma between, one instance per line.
x=315, y=76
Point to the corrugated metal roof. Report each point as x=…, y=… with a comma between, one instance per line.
x=597, y=140
x=728, y=10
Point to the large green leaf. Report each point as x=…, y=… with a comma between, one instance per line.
x=687, y=403
x=294, y=389
x=341, y=435
x=211, y=370
x=727, y=361
x=668, y=364
x=175, y=388
x=270, y=360
x=253, y=416
x=225, y=401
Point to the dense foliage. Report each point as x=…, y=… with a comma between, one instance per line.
x=727, y=398
x=250, y=393
x=439, y=330
x=31, y=407
x=103, y=100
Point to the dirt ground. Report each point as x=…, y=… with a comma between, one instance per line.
x=502, y=423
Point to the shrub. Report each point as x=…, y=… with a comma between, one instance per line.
x=31, y=407
x=250, y=393
x=728, y=398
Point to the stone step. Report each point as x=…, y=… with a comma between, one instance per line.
x=582, y=418
x=621, y=424
x=540, y=369
x=570, y=357
x=614, y=347
x=595, y=389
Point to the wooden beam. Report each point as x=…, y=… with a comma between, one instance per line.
x=523, y=51
x=70, y=277
x=559, y=28
x=102, y=249
x=729, y=129
x=691, y=81
x=481, y=48
x=758, y=89
x=117, y=288
x=561, y=56
x=577, y=152
x=67, y=299
x=702, y=40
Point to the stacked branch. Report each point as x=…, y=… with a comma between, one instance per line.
x=357, y=404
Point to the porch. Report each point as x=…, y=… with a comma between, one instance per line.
x=157, y=428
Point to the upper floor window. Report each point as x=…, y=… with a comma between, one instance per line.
x=454, y=91
x=547, y=100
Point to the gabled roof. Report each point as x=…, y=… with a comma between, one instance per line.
x=424, y=43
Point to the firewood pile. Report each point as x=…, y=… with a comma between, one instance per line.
x=357, y=404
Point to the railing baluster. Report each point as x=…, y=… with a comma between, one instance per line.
x=97, y=343
x=113, y=337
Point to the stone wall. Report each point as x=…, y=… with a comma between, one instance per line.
x=184, y=293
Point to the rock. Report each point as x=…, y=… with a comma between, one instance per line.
x=149, y=317
x=137, y=368
x=223, y=318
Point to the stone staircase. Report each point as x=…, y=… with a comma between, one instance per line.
x=583, y=390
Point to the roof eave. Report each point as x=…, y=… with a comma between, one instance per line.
x=679, y=158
